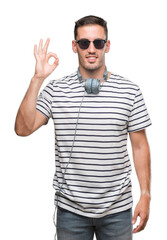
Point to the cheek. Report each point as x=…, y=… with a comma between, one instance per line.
x=101, y=54
x=81, y=55
x=81, y=60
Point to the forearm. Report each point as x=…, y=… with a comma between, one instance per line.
x=26, y=114
x=141, y=156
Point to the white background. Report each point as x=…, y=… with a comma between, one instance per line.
x=137, y=30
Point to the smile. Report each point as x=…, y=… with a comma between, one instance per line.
x=91, y=58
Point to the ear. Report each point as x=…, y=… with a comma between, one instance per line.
x=74, y=46
x=107, y=46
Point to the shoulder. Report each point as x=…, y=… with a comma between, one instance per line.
x=64, y=80
x=121, y=82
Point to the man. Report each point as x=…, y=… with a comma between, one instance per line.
x=93, y=111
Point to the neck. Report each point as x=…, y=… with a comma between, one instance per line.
x=95, y=74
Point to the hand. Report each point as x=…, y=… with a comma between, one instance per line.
x=141, y=210
x=43, y=69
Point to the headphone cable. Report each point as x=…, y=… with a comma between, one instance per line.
x=55, y=221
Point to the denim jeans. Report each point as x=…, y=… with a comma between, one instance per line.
x=71, y=226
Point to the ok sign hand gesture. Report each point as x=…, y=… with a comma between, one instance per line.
x=43, y=69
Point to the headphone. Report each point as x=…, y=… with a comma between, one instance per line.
x=92, y=85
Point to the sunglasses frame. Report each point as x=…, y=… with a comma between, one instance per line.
x=90, y=42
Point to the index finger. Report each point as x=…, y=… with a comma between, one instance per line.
x=46, y=45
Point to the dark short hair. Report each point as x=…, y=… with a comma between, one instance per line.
x=90, y=20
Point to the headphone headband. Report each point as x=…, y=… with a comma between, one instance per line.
x=105, y=75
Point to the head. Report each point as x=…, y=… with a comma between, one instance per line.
x=90, y=20
x=91, y=28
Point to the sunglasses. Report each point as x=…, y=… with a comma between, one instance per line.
x=98, y=43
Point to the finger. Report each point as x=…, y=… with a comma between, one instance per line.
x=46, y=46
x=141, y=225
x=134, y=219
x=55, y=64
x=50, y=54
x=139, y=228
x=40, y=46
x=35, y=51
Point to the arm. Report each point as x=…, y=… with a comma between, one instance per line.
x=141, y=156
x=29, y=119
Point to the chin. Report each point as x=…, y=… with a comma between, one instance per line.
x=91, y=67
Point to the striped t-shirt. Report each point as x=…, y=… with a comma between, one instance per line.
x=97, y=179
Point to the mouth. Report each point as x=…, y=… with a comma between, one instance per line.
x=91, y=59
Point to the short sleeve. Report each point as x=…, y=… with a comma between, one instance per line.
x=139, y=118
x=44, y=100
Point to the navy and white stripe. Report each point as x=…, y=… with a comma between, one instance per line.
x=97, y=181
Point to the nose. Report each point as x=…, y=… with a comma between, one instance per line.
x=91, y=48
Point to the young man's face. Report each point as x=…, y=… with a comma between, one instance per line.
x=91, y=58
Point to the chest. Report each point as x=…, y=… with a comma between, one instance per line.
x=106, y=108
